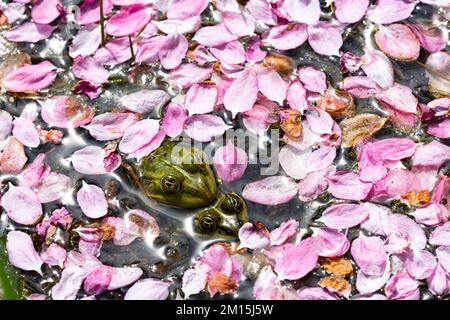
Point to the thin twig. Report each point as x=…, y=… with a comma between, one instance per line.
x=102, y=24
x=131, y=47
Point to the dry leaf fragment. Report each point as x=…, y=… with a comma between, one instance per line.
x=336, y=284
x=222, y=283
x=337, y=103
x=361, y=126
x=338, y=266
x=417, y=198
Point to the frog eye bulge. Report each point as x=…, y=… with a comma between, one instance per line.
x=170, y=184
x=232, y=203
x=208, y=223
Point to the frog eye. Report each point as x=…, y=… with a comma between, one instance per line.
x=208, y=223
x=170, y=184
x=232, y=203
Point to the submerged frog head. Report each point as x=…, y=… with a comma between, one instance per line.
x=175, y=175
x=223, y=219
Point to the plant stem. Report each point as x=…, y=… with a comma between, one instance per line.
x=102, y=24
x=131, y=48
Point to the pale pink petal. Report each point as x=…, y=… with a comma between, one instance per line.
x=32, y=175
x=379, y=68
x=92, y=201
x=319, y=121
x=97, y=281
x=230, y=162
x=370, y=163
x=188, y=74
x=115, y=52
x=316, y=294
x=401, y=286
x=296, y=96
x=347, y=185
x=88, y=69
x=238, y=24
x=5, y=125
x=241, y=95
x=441, y=235
x=230, y=53
x=172, y=51
x=110, y=125
x=294, y=161
x=304, y=11
x=45, y=11
x=53, y=187
x=69, y=284
x=21, y=252
x=204, y=127
x=214, y=36
x=398, y=42
x=90, y=11
x=253, y=237
x=90, y=160
x=330, y=242
x=313, y=80
x=271, y=84
x=31, y=77
x=86, y=42
x=388, y=11
x=12, y=157
x=22, y=205
x=138, y=135
x=261, y=11
x=149, y=147
x=54, y=255
x=431, y=214
x=271, y=190
x=296, y=261
x=267, y=286
x=443, y=255
x=125, y=232
x=25, y=131
x=366, y=284
x=431, y=38
x=194, y=280
x=395, y=148
x=254, y=53
x=325, y=38
x=314, y=184
x=171, y=26
x=403, y=230
x=369, y=254
x=256, y=119
x=13, y=10
x=144, y=101
x=360, y=87
x=350, y=11
x=345, y=215
x=148, y=289
x=185, y=9
x=37, y=296
x=201, y=98
x=173, y=120
x=30, y=32
x=321, y=158
x=284, y=232
x=129, y=20
x=287, y=37
x=440, y=128
x=439, y=281
x=59, y=111
x=122, y=277
x=396, y=183
x=420, y=264
x=431, y=155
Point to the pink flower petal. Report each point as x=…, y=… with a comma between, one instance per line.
x=431, y=155
x=398, y=42
x=21, y=252
x=296, y=261
x=321, y=158
x=204, y=127
x=86, y=42
x=88, y=69
x=396, y=183
x=22, y=205
x=402, y=287
x=31, y=77
x=97, y=281
x=194, y=280
x=66, y=112
x=138, y=135
x=70, y=283
x=92, y=201
x=366, y=284
x=171, y=26
x=402, y=230
x=241, y=95
x=271, y=190
x=115, y=52
x=261, y=11
x=144, y=101
x=172, y=51
x=230, y=162
x=287, y=37
x=347, y=185
x=188, y=74
x=284, y=232
x=314, y=80
x=214, y=36
x=369, y=255
x=54, y=255
x=325, y=38
x=304, y=11
x=316, y=294
x=271, y=84
x=360, y=87
x=230, y=53
x=90, y=160
x=53, y=187
x=201, y=98
x=253, y=237
x=173, y=120
x=443, y=255
x=389, y=11
x=13, y=11
x=12, y=157
x=33, y=174
x=440, y=128
x=350, y=11
x=439, y=282
x=238, y=24
x=379, y=68
x=122, y=277
x=267, y=286
x=125, y=231
x=345, y=215
x=30, y=32
x=421, y=264
x=45, y=11
x=5, y=125
x=150, y=146
x=296, y=96
x=90, y=11
x=185, y=9
x=431, y=38
x=441, y=235
x=110, y=125
x=330, y=242
x=314, y=184
x=294, y=161
x=25, y=131
x=129, y=20
x=148, y=289
x=431, y=214
x=319, y=121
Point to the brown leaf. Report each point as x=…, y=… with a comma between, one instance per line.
x=291, y=122
x=336, y=284
x=359, y=127
x=337, y=103
x=279, y=63
x=338, y=266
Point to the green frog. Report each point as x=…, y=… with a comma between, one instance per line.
x=180, y=176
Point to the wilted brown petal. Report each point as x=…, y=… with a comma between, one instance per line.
x=360, y=126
